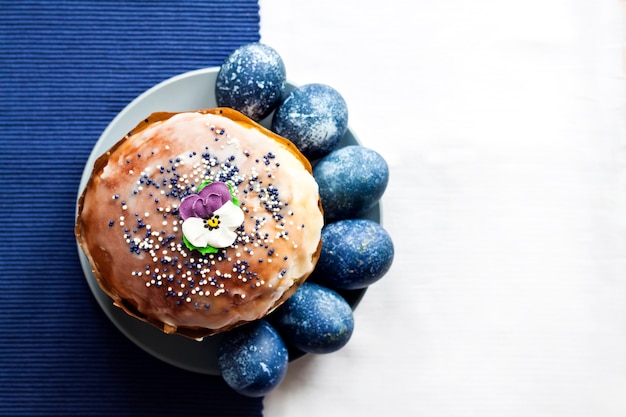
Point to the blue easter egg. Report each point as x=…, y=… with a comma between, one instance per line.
x=315, y=319
x=253, y=358
x=314, y=117
x=355, y=254
x=251, y=80
x=351, y=181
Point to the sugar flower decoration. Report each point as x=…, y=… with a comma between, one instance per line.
x=210, y=217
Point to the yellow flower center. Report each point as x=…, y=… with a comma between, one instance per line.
x=213, y=222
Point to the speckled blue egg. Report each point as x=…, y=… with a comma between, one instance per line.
x=253, y=358
x=251, y=80
x=355, y=254
x=315, y=319
x=352, y=180
x=314, y=117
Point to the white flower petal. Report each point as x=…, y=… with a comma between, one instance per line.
x=221, y=238
x=230, y=215
x=195, y=232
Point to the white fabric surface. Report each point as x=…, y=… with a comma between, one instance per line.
x=503, y=126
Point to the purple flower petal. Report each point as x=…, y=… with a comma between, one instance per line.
x=208, y=200
x=218, y=188
x=186, y=206
x=199, y=208
x=211, y=202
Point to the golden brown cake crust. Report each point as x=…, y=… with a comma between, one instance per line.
x=129, y=224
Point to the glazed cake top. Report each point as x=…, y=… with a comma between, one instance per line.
x=131, y=217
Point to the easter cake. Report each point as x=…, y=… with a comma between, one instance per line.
x=199, y=221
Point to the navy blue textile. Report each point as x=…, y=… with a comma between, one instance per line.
x=66, y=69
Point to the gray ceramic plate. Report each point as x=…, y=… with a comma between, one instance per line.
x=189, y=91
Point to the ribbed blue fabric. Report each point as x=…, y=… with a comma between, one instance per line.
x=66, y=69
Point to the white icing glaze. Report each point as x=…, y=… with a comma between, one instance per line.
x=129, y=229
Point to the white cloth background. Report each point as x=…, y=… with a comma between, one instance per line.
x=503, y=126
